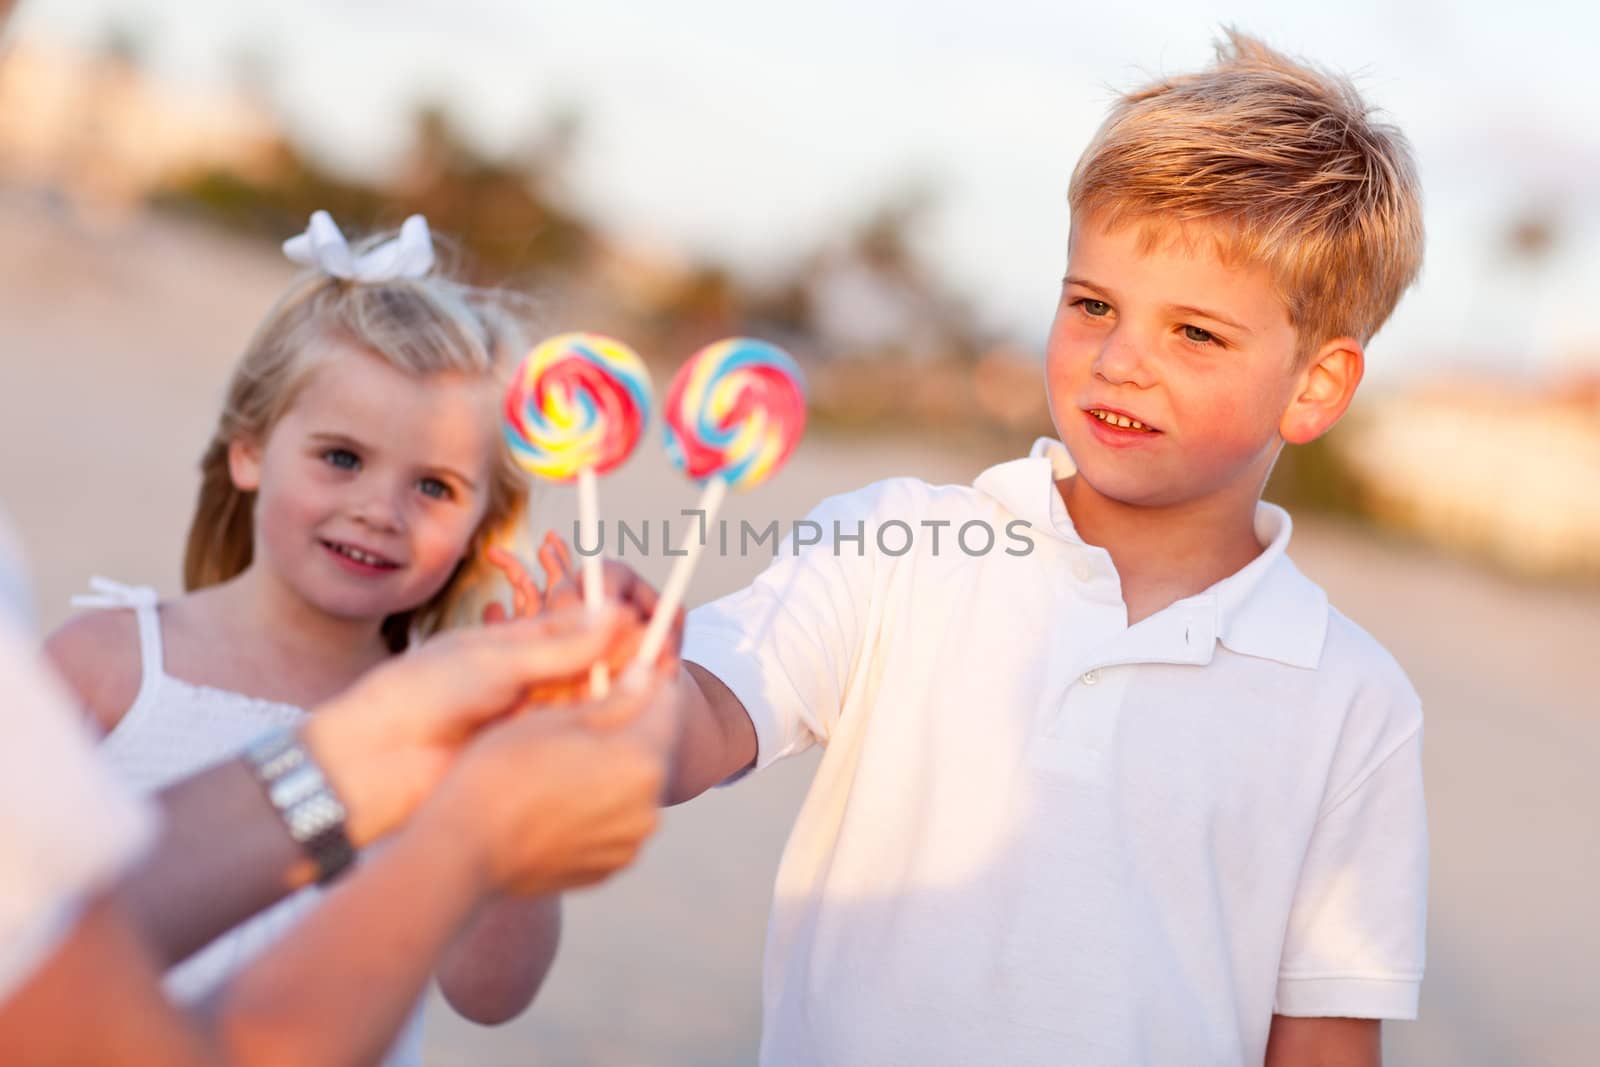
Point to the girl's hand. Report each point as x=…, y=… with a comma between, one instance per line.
x=526, y=598
x=555, y=559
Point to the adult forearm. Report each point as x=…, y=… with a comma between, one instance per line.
x=222, y=856
x=338, y=989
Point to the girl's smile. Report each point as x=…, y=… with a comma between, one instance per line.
x=370, y=488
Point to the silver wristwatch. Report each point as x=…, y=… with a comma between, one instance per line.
x=310, y=810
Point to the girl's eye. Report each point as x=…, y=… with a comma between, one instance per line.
x=342, y=458
x=1097, y=308
x=435, y=488
x=1198, y=336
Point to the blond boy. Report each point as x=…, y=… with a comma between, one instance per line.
x=1122, y=788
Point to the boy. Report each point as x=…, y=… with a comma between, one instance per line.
x=1116, y=786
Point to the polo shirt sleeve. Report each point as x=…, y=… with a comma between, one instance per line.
x=789, y=644
x=67, y=826
x=1355, y=943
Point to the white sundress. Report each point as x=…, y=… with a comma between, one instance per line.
x=175, y=728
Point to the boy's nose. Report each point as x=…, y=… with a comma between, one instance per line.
x=1122, y=361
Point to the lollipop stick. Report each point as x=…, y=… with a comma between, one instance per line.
x=593, y=582
x=655, y=635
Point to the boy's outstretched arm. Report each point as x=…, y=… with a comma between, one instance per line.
x=1318, y=1042
x=717, y=739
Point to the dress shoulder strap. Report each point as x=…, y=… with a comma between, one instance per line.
x=143, y=600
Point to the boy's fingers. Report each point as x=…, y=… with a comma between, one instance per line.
x=494, y=613
x=624, y=585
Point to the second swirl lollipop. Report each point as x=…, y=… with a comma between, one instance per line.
x=734, y=413
x=576, y=408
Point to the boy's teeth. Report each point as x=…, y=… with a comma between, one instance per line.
x=1121, y=421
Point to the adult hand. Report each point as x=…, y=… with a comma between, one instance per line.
x=563, y=797
x=386, y=742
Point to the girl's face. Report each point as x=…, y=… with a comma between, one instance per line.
x=371, y=486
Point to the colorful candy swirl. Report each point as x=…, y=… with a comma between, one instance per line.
x=578, y=400
x=735, y=411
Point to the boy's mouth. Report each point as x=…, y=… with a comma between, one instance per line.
x=1120, y=421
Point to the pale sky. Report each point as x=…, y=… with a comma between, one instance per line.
x=745, y=129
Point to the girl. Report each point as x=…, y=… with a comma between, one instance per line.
x=355, y=475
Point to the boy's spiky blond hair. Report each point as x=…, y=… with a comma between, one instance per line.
x=1288, y=161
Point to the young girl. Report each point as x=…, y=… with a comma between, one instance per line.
x=356, y=473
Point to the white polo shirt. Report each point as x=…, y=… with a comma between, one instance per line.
x=1041, y=836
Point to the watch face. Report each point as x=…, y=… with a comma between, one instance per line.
x=305, y=801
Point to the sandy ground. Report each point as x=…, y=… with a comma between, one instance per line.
x=113, y=347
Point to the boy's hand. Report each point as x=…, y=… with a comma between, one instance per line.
x=387, y=741
x=548, y=802
x=622, y=585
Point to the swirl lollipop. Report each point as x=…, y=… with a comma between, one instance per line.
x=578, y=402
x=734, y=414
x=576, y=408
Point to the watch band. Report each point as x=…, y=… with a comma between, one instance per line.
x=312, y=813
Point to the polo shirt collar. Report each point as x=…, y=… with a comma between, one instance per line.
x=1267, y=609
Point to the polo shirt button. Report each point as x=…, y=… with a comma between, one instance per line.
x=1090, y=677
x=1081, y=571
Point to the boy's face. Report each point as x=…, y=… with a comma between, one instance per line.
x=1168, y=370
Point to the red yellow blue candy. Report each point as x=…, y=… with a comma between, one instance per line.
x=577, y=401
x=735, y=412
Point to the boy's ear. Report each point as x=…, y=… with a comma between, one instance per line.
x=1324, y=390
x=244, y=464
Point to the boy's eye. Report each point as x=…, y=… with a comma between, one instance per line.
x=1197, y=335
x=1097, y=308
x=435, y=488
x=342, y=458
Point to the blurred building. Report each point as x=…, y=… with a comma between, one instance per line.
x=95, y=130
x=1485, y=468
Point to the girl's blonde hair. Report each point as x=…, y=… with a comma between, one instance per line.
x=422, y=326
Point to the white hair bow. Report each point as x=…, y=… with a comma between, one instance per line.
x=409, y=255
